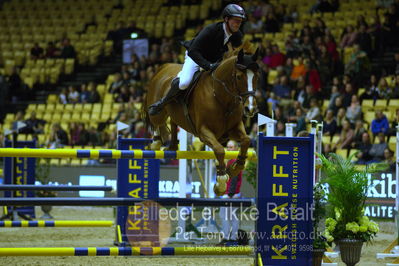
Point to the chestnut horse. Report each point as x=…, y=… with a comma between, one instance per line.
x=216, y=107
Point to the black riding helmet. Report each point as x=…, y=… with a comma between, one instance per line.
x=233, y=10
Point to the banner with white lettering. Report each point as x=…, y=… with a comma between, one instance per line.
x=284, y=200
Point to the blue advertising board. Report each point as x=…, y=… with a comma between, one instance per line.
x=284, y=200
x=24, y=175
x=137, y=178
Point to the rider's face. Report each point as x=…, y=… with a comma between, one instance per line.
x=234, y=23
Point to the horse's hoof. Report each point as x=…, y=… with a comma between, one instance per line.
x=221, y=185
x=155, y=146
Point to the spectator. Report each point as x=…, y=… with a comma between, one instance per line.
x=58, y=137
x=253, y=25
x=371, y=91
x=349, y=37
x=123, y=96
x=74, y=132
x=378, y=148
x=380, y=124
x=341, y=116
x=383, y=90
x=84, y=94
x=300, y=121
x=331, y=46
x=358, y=62
x=272, y=100
x=83, y=137
x=36, y=52
x=347, y=95
x=282, y=89
x=34, y=125
x=363, y=156
x=63, y=97
x=329, y=124
x=94, y=137
x=358, y=133
x=67, y=50
x=230, y=223
x=364, y=40
x=277, y=58
x=73, y=95
x=299, y=69
x=345, y=138
x=19, y=118
x=51, y=50
x=390, y=160
x=116, y=84
x=334, y=95
x=94, y=96
x=354, y=111
x=314, y=111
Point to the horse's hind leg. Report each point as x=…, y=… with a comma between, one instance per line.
x=173, y=139
x=209, y=139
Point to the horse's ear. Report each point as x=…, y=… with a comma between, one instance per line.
x=255, y=55
x=240, y=55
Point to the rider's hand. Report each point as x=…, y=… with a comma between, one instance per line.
x=213, y=66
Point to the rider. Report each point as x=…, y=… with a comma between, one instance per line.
x=205, y=50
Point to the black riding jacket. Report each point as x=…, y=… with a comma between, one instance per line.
x=208, y=47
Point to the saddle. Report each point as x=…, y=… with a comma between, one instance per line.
x=185, y=97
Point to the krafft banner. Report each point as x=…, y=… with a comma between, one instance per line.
x=24, y=174
x=137, y=178
x=284, y=200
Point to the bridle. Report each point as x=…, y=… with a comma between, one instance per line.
x=239, y=97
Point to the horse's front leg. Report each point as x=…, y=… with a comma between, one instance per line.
x=238, y=134
x=174, y=143
x=209, y=139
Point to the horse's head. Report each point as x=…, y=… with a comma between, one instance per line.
x=246, y=79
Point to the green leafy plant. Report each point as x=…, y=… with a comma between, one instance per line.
x=348, y=185
x=319, y=212
x=250, y=173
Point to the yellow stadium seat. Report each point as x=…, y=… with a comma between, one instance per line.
x=367, y=104
x=342, y=152
x=52, y=98
x=75, y=117
x=369, y=116
x=326, y=139
x=381, y=104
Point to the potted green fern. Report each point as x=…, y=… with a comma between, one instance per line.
x=319, y=212
x=346, y=223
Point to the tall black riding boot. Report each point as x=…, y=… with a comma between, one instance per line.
x=156, y=108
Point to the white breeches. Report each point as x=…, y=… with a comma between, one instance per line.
x=187, y=72
x=230, y=221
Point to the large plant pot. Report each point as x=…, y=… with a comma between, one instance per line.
x=350, y=250
x=317, y=257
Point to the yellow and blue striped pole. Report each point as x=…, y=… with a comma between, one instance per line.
x=115, y=154
x=59, y=223
x=126, y=251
